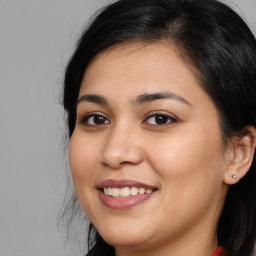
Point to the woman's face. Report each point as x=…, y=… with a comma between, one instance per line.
x=146, y=155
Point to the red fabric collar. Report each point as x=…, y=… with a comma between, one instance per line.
x=219, y=252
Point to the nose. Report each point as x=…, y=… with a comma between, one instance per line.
x=122, y=147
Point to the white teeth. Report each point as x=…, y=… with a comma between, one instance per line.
x=148, y=191
x=109, y=191
x=142, y=191
x=134, y=191
x=116, y=192
x=126, y=191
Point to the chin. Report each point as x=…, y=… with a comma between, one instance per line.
x=124, y=239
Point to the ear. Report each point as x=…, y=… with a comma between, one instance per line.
x=240, y=156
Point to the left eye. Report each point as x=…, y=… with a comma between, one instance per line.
x=159, y=119
x=94, y=120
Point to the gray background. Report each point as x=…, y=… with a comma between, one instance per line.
x=36, y=40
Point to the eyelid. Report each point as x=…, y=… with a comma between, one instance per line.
x=173, y=118
x=85, y=117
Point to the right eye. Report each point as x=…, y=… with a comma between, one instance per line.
x=94, y=120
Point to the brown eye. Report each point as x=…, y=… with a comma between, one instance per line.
x=98, y=119
x=159, y=119
x=94, y=120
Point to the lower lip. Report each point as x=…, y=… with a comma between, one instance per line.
x=122, y=203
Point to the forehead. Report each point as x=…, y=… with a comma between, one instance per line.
x=140, y=68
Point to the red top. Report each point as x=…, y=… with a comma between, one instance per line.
x=219, y=252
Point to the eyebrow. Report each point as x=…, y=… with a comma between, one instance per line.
x=141, y=99
x=147, y=98
x=93, y=98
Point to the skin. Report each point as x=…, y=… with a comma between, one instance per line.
x=184, y=158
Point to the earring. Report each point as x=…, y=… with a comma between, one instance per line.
x=234, y=176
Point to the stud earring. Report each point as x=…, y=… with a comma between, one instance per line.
x=234, y=176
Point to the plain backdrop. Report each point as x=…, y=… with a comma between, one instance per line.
x=36, y=40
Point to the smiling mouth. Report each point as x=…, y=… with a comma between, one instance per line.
x=124, y=194
x=126, y=191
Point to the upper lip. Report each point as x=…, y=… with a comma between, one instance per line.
x=123, y=183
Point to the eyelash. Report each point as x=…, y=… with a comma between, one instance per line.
x=168, y=118
x=84, y=120
x=164, y=117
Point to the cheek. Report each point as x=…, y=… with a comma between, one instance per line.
x=191, y=171
x=187, y=161
x=82, y=160
x=82, y=157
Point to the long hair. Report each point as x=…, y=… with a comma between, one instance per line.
x=221, y=50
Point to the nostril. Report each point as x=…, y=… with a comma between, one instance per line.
x=125, y=163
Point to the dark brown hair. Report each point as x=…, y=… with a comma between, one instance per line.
x=218, y=44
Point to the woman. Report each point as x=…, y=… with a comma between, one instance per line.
x=161, y=108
